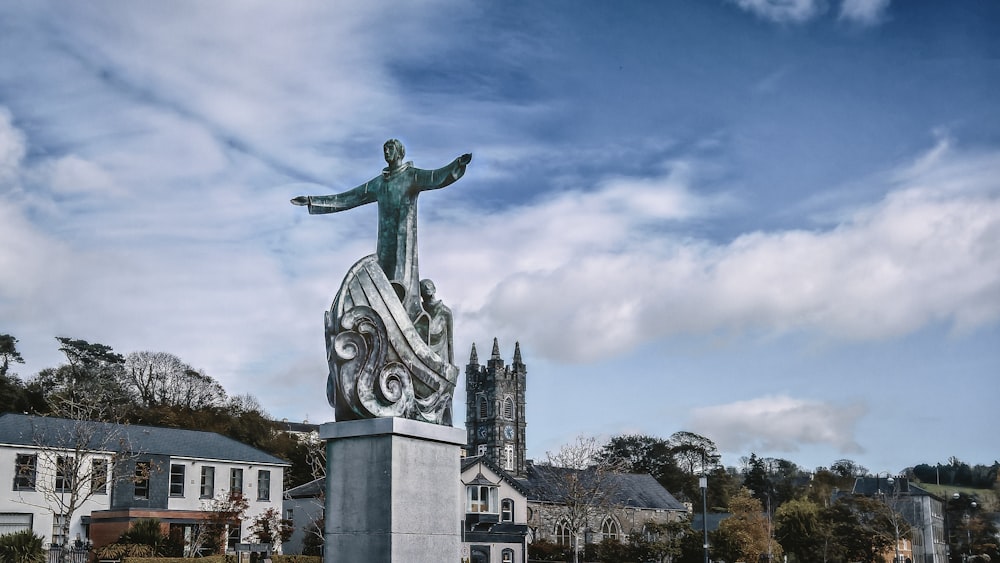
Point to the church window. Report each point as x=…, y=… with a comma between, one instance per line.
x=507, y=510
x=562, y=533
x=610, y=529
x=508, y=409
x=507, y=556
x=482, y=408
x=481, y=498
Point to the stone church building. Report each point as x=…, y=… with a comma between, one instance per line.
x=496, y=428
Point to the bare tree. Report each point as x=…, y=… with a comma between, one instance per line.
x=76, y=459
x=161, y=378
x=580, y=485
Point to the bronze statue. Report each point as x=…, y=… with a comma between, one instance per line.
x=389, y=353
x=395, y=191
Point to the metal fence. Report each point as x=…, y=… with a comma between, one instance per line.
x=68, y=554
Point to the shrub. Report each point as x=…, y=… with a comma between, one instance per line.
x=22, y=547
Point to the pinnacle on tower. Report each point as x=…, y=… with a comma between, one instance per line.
x=496, y=349
x=474, y=358
x=517, y=352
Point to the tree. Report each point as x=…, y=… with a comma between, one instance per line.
x=269, y=527
x=162, y=379
x=8, y=353
x=582, y=487
x=75, y=459
x=746, y=535
x=801, y=532
x=860, y=528
x=92, y=377
x=694, y=452
x=637, y=453
x=221, y=512
x=848, y=469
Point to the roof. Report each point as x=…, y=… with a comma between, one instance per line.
x=312, y=489
x=28, y=430
x=468, y=462
x=637, y=490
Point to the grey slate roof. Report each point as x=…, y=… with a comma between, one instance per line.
x=639, y=490
x=468, y=462
x=312, y=489
x=27, y=430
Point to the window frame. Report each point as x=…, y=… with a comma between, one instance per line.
x=507, y=555
x=25, y=472
x=99, y=476
x=236, y=480
x=475, y=503
x=507, y=510
x=177, y=479
x=562, y=534
x=264, y=485
x=508, y=408
x=140, y=484
x=610, y=529
x=65, y=474
x=207, y=481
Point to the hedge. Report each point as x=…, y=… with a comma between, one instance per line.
x=223, y=559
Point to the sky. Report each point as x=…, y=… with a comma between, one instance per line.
x=774, y=223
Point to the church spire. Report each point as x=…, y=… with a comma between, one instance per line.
x=474, y=358
x=517, y=352
x=496, y=349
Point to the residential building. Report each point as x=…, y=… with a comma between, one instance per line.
x=112, y=474
x=922, y=510
x=303, y=507
x=494, y=525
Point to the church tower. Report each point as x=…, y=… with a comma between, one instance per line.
x=494, y=409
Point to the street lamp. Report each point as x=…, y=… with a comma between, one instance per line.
x=891, y=506
x=703, y=484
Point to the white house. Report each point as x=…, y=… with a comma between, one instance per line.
x=108, y=475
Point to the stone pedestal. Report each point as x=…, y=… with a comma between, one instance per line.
x=393, y=491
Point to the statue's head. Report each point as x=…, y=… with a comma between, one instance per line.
x=393, y=150
x=427, y=289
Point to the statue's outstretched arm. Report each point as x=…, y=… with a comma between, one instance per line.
x=444, y=176
x=353, y=197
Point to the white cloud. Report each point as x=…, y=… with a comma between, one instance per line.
x=588, y=275
x=864, y=12
x=784, y=11
x=779, y=424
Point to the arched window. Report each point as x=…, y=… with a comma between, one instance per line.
x=507, y=510
x=610, y=529
x=508, y=409
x=562, y=533
x=482, y=408
x=507, y=556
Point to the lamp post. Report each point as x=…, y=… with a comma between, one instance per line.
x=892, y=508
x=703, y=483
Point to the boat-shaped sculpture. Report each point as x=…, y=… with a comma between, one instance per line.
x=380, y=365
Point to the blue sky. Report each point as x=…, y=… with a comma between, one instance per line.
x=773, y=223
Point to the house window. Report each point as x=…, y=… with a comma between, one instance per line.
x=481, y=498
x=562, y=533
x=177, y=479
x=507, y=556
x=235, y=480
x=508, y=457
x=11, y=522
x=141, y=480
x=99, y=476
x=508, y=409
x=24, y=472
x=207, y=482
x=58, y=520
x=610, y=529
x=507, y=510
x=264, y=485
x=65, y=472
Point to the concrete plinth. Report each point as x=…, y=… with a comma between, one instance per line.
x=393, y=491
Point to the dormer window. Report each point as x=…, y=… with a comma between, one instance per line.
x=482, y=496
